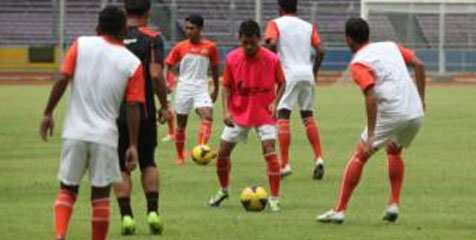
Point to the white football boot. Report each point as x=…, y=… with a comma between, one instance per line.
x=331, y=216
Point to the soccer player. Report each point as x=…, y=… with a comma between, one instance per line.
x=195, y=55
x=253, y=83
x=101, y=72
x=394, y=106
x=147, y=45
x=293, y=39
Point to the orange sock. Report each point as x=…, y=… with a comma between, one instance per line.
x=180, y=143
x=350, y=179
x=63, y=208
x=100, y=219
x=204, y=132
x=284, y=138
x=313, y=136
x=396, y=170
x=223, y=171
x=274, y=175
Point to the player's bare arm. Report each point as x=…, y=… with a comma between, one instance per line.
x=420, y=76
x=47, y=123
x=160, y=89
x=133, y=122
x=272, y=44
x=320, y=53
x=167, y=69
x=216, y=84
x=227, y=119
x=279, y=94
x=371, y=109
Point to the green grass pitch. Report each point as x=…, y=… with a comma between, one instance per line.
x=438, y=197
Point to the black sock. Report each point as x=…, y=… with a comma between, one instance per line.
x=152, y=201
x=125, y=206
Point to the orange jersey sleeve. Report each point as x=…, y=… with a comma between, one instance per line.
x=315, y=38
x=363, y=76
x=214, y=57
x=69, y=62
x=272, y=31
x=174, y=56
x=279, y=74
x=135, y=87
x=407, y=54
x=227, y=77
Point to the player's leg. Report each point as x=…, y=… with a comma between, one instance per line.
x=396, y=170
x=350, y=179
x=100, y=212
x=284, y=130
x=180, y=138
x=72, y=167
x=63, y=209
x=183, y=105
x=204, y=106
x=284, y=139
x=205, y=130
x=306, y=104
x=353, y=171
x=150, y=175
x=103, y=172
x=267, y=134
x=123, y=188
x=229, y=138
x=123, y=191
x=396, y=167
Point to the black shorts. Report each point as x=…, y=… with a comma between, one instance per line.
x=145, y=146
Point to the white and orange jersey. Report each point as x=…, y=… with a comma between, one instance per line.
x=194, y=60
x=103, y=74
x=383, y=65
x=295, y=40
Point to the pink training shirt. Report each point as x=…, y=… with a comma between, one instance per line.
x=252, y=83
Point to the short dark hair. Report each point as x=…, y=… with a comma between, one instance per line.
x=357, y=29
x=195, y=19
x=112, y=21
x=250, y=28
x=288, y=6
x=137, y=7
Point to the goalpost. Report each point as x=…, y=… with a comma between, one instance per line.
x=423, y=24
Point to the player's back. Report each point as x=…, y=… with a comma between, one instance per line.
x=102, y=71
x=394, y=87
x=147, y=45
x=294, y=47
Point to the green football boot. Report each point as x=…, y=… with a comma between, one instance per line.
x=155, y=223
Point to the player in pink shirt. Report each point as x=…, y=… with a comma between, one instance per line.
x=253, y=83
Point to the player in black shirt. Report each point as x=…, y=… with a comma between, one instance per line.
x=147, y=45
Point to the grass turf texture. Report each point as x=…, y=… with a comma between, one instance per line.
x=437, y=199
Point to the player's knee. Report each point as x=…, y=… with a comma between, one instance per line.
x=393, y=149
x=224, y=151
x=69, y=188
x=208, y=118
x=306, y=114
x=268, y=147
x=100, y=192
x=284, y=114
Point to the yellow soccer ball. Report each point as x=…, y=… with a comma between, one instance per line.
x=203, y=154
x=254, y=198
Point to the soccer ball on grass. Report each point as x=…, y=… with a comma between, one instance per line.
x=203, y=154
x=254, y=198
